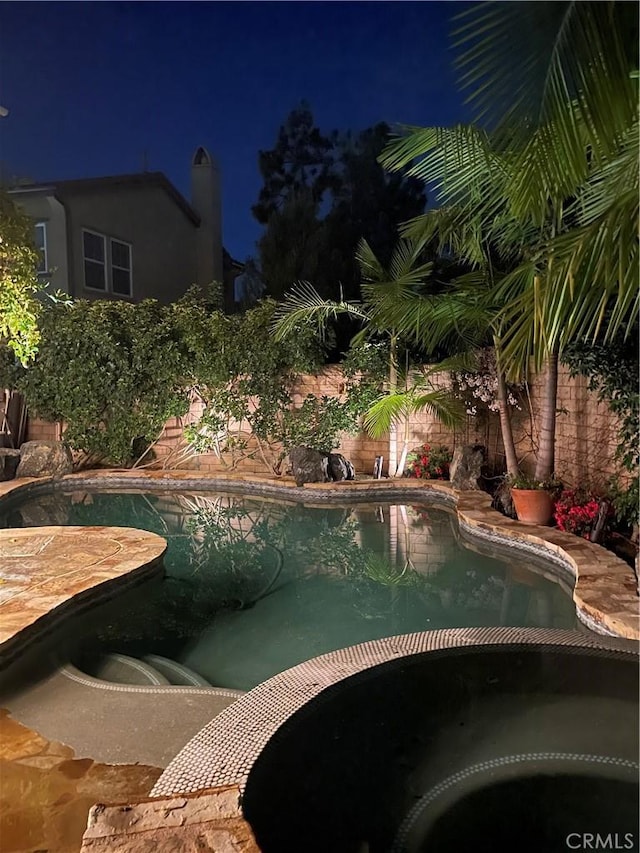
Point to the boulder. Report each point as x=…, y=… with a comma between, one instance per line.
x=9, y=459
x=340, y=468
x=502, y=500
x=314, y=466
x=309, y=466
x=466, y=467
x=44, y=459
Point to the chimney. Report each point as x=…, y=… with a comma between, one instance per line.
x=205, y=199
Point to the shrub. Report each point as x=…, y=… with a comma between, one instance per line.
x=112, y=371
x=612, y=372
x=576, y=511
x=246, y=377
x=626, y=501
x=429, y=463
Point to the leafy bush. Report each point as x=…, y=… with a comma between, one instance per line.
x=246, y=380
x=112, y=371
x=19, y=309
x=429, y=463
x=626, y=502
x=115, y=372
x=527, y=481
x=576, y=511
x=612, y=372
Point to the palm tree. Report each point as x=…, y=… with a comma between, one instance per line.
x=382, y=287
x=553, y=182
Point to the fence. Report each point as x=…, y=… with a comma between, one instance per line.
x=586, y=437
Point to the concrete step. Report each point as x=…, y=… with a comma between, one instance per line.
x=176, y=673
x=122, y=669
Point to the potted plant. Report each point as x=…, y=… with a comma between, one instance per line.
x=533, y=499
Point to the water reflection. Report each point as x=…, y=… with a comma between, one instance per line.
x=262, y=584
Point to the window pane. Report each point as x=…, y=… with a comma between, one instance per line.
x=93, y=246
x=120, y=255
x=121, y=281
x=94, y=275
x=41, y=246
x=39, y=237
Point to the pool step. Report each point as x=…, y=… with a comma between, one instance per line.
x=176, y=673
x=153, y=670
x=122, y=669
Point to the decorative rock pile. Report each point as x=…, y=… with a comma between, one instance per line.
x=314, y=466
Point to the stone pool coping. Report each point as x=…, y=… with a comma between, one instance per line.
x=605, y=591
x=47, y=573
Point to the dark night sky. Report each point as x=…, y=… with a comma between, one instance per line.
x=90, y=86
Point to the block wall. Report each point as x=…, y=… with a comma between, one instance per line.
x=585, y=444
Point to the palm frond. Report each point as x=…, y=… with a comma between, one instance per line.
x=538, y=57
x=392, y=408
x=370, y=267
x=303, y=305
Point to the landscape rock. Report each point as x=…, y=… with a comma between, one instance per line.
x=340, y=468
x=9, y=459
x=503, y=502
x=308, y=466
x=466, y=467
x=44, y=459
x=313, y=466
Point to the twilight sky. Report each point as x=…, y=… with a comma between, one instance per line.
x=91, y=86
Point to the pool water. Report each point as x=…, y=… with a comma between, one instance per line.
x=255, y=585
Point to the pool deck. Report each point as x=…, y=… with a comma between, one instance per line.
x=48, y=573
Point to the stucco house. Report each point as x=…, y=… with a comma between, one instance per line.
x=130, y=236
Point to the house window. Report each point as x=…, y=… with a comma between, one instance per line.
x=93, y=249
x=120, y=268
x=41, y=246
x=107, y=264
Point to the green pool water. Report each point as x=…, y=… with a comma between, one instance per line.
x=255, y=585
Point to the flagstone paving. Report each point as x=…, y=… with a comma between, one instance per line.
x=46, y=571
x=46, y=792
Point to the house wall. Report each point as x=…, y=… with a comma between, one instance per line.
x=46, y=208
x=163, y=238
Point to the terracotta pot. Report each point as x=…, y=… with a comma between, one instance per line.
x=533, y=506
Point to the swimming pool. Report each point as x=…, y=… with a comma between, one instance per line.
x=255, y=585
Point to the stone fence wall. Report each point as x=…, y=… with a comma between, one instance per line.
x=585, y=444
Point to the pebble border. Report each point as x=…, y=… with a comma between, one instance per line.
x=224, y=751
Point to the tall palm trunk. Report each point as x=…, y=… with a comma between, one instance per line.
x=393, y=387
x=405, y=423
x=546, y=450
x=505, y=416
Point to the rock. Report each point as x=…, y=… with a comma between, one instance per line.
x=209, y=821
x=503, y=502
x=313, y=466
x=9, y=459
x=309, y=466
x=466, y=467
x=44, y=459
x=340, y=468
